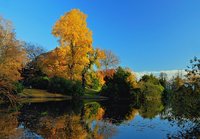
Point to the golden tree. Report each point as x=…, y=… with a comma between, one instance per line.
x=73, y=33
x=75, y=56
x=12, y=59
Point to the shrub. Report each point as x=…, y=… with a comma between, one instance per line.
x=151, y=91
x=67, y=87
x=18, y=88
x=77, y=89
x=93, y=80
x=40, y=82
x=121, y=85
x=150, y=88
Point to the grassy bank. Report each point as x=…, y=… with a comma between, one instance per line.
x=92, y=94
x=37, y=93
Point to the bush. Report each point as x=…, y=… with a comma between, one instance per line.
x=121, y=85
x=18, y=88
x=95, y=84
x=77, y=89
x=39, y=82
x=66, y=87
x=150, y=88
x=151, y=91
x=93, y=80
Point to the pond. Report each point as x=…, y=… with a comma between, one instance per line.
x=97, y=119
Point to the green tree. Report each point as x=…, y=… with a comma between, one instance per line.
x=121, y=85
x=150, y=88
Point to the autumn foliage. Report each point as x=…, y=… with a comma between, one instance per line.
x=12, y=59
x=76, y=38
x=75, y=56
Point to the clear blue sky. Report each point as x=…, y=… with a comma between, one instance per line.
x=146, y=34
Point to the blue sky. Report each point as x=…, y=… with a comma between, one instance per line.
x=147, y=35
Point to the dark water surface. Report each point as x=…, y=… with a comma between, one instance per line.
x=90, y=119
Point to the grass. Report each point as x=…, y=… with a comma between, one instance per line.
x=92, y=94
x=37, y=93
x=38, y=100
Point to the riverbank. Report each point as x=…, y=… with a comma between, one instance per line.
x=93, y=94
x=43, y=94
x=38, y=93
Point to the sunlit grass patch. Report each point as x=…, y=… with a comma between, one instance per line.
x=37, y=93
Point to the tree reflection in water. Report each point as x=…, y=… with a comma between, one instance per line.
x=71, y=122
x=183, y=110
x=8, y=124
x=79, y=120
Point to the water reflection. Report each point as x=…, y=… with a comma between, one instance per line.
x=183, y=109
x=8, y=124
x=88, y=119
x=151, y=108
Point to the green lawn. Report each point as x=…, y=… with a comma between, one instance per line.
x=38, y=100
x=92, y=94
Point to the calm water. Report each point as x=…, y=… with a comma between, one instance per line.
x=90, y=119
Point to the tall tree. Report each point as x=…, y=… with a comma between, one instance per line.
x=12, y=59
x=73, y=33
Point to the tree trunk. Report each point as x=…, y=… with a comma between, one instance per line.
x=83, y=81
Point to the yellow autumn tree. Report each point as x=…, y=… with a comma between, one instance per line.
x=131, y=79
x=73, y=33
x=75, y=56
x=12, y=59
